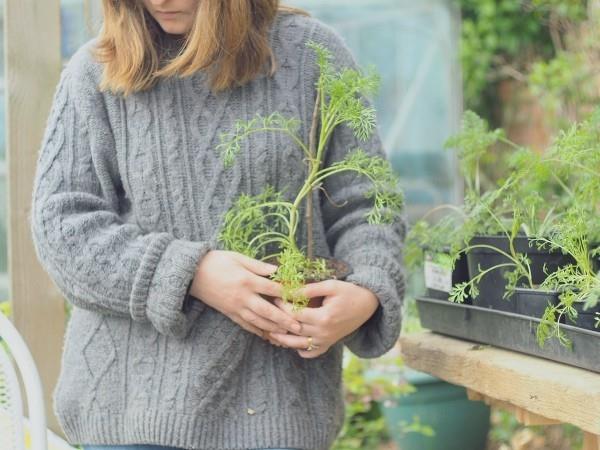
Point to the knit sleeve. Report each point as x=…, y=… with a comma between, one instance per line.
x=98, y=260
x=373, y=251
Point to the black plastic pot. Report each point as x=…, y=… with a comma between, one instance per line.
x=533, y=302
x=509, y=330
x=459, y=274
x=493, y=285
x=586, y=319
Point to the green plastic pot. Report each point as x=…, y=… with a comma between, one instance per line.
x=458, y=423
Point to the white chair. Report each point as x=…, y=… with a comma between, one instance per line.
x=12, y=423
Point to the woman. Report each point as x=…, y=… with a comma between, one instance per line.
x=170, y=342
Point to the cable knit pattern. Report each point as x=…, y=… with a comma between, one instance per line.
x=128, y=197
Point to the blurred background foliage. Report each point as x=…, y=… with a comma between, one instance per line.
x=530, y=65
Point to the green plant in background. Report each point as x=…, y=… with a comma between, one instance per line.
x=552, y=198
x=510, y=39
x=518, y=264
x=505, y=427
x=575, y=158
x=417, y=427
x=449, y=233
x=6, y=308
x=565, y=86
x=512, y=206
x=578, y=283
x=497, y=39
x=364, y=425
x=265, y=226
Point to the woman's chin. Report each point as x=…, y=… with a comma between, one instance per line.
x=174, y=30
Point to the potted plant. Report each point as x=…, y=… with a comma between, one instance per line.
x=575, y=287
x=537, y=236
x=265, y=226
x=433, y=247
x=570, y=294
x=492, y=231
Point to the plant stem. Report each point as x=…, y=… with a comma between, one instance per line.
x=573, y=164
x=309, y=199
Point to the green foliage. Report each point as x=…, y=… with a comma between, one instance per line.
x=343, y=93
x=575, y=157
x=508, y=39
x=387, y=199
x=230, y=143
x=417, y=427
x=496, y=35
x=577, y=283
x=294, y=271
x=256, y=222
x=265, y=226
x=528, y=201
x=442, y=237
x=505, y=427
x=6, y=308
x=562, y=81
x=364, y=426
x=472, y=143
x=507, y=208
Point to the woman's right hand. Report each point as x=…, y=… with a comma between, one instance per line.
x=232, y=283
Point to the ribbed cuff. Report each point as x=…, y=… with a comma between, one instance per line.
x=161, y=285
x=381, y=331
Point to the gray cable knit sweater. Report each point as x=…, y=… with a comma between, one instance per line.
x=129, y=194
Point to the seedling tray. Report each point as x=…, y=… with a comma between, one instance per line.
x=508, y=330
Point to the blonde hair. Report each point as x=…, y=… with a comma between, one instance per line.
x=229, y=39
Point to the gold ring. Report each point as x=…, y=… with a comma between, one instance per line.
x=310, y=344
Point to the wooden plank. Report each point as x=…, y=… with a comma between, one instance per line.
x=524, y=417
x=551, y=390
x=33, y=63
x=591, y=442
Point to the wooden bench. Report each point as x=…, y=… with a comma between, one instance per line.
x=537, y=391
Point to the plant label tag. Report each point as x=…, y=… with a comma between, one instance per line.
x=437, y=276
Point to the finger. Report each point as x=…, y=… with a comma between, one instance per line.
x=263, y=285
x=312, y=330
x=295, y=342
x=264, y=309
x=321, y=289
x=256, y=266
x=274, y=342
x=313, y=353
x=311, y=316
x=263, y=324
x=250, y=328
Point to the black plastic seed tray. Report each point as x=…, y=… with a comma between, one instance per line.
x=508, y=330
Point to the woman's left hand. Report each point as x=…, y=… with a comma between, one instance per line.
x=346, y=307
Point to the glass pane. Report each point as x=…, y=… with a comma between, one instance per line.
x=80, y=20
